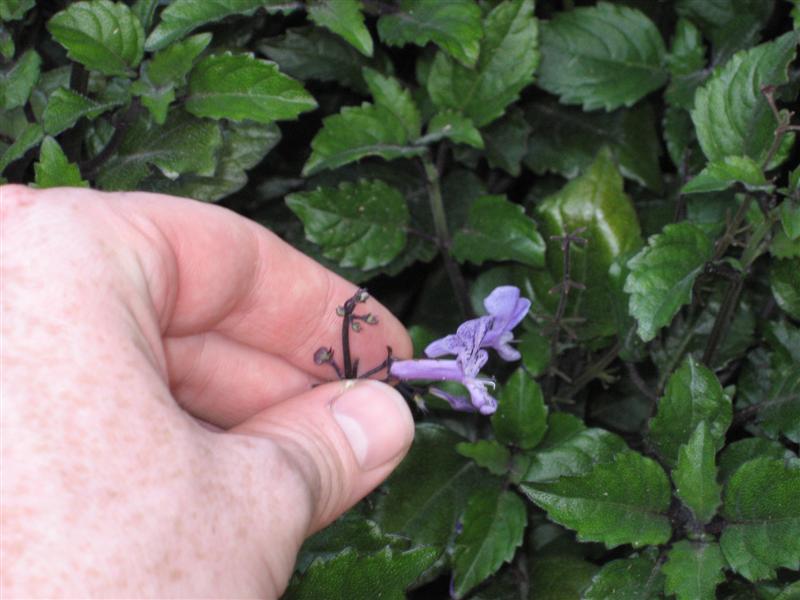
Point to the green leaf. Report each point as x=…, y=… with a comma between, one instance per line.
x=722, y=174
x=14, y=10
x=663, y=273
x=507, y=141
x=7, y=47
x=621, y=502
x=686, y=61
x=351, y=531
x=357, y=132
x=604, y=56
x=695, y=475
x=429, y=490
x=559, y=577
x=596, y=202
x=634, y=578
x=244, y=145
x=771, y=381
x=734, y=455
x=344, y=18
x=358, y=225
x=535, y=350
x=694, y=570
x=145, y=10
x=784, y=279
x=240, y=86
x=493, y=525
x=567, y=452
x=489, y=454
x=506, y=64
x=103, y=36
x=66, y=107
x=183, y=145
x=16, y=82
x=184, y=16
x=54, y=169
x=385, y=574
x=521, y=417
x=729, y=24
x=313, y=53
x=566, y=140
x=730, y=114
x=763, y=515
x=28, y=137
x=790, y=217
x=498, y=230
x=455, y=26
x=387, y=92
x=693, y=395
x=452, y=125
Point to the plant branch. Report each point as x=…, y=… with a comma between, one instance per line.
x=594, y=370
x=90, y=167
x=443, y=236
x=73, y=139
x=783, y=121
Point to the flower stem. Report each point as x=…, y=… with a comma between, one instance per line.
x=443, y=236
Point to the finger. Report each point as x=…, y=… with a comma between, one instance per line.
x=215, y=270
x=224, y=382
x=341, y=440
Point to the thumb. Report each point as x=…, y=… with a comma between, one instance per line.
x=339, y=441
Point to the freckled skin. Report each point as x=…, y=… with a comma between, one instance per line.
x=125, y=318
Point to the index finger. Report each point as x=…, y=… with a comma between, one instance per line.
x=221, y=272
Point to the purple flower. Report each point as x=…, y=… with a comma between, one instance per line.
x=506, y=309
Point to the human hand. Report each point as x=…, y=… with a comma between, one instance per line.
x=127, y=320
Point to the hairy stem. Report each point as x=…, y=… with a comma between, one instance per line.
x=443, y=236
x=594, y=370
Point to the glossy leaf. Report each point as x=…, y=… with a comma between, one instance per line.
x=566, y=140
x=28, y=137
x=239, y=87
x=16, y=82
x=344, y=18
x=634, y=578
x=570, y=452
x=693, y=395
x=603, y=56
x=489, y=454
x=686, y=61
x=763, y=515
x=66, y=107
x=184, y=16
x=101, y=35
x=54, y=169
x=559, y=577
x=357, y=132
x=388, y=93
x=535, y=350
x=729, y=24
x=244, y=145
x=455, y=126
x=693, y=570
x=784, y=279
x=621, y=502
x=596, y=202
x=358, y=225
x=730, y=114
x=183, y=145
x=492, y=529
x=384, y=574
x=735, y=454
x=455, y=26
x=498, y=230
x=507, y=142
x=695, y=475
x=507, y=61
x=13, y=10
x=429, y=490
x=722, y=174
x=663, y=273
x=521, y=417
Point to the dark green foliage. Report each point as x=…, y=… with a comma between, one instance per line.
x=631, y=166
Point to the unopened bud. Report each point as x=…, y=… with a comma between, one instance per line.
x=371, y=319
x=340, y=311
x=362, y=295
x=323, y=355
x=355, y=326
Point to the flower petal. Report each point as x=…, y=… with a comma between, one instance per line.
x=457, y=402
x=439, y=370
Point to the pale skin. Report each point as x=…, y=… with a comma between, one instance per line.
x=129, y=323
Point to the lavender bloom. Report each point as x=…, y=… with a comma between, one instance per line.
x=506, y=309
